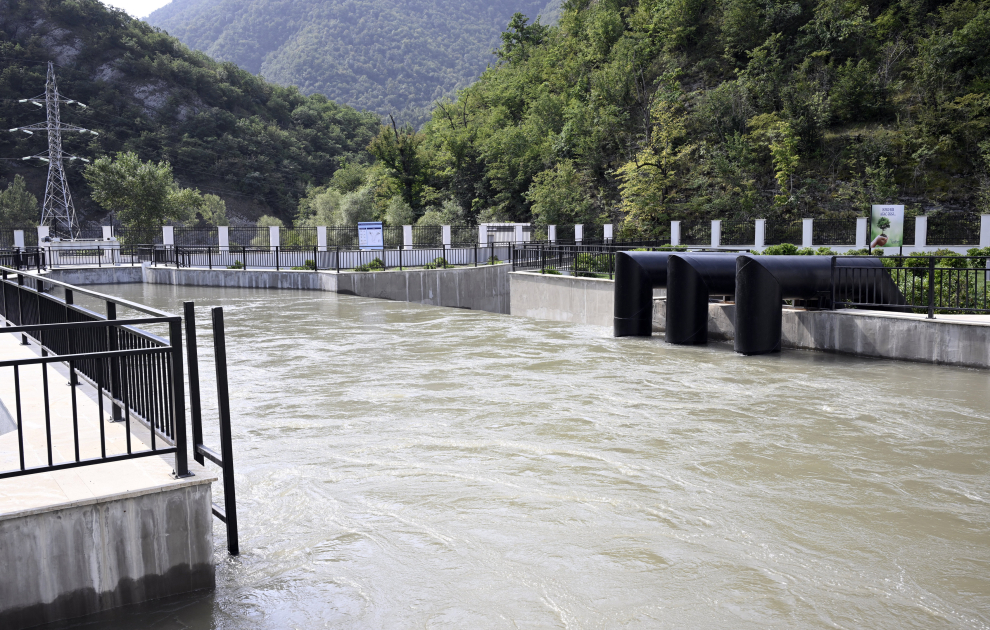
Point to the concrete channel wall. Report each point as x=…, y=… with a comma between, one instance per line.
x=483, y=288
x=561, y=298
x=75, y=559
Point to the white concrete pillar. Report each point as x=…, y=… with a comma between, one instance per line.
x=519, y=233
x=274, y=236
x=321, y=238
x=552, y=233
x=861, y=232
x=608, y=232
x=760, y=234
x=482, y=234
x=807, y=232
x=43, y=232
x=985, y=231
x=107, y=232
x=407, y=242
x=921, y=232
x=446, y=235
x=19, y=238
x=168, y=235
x=578, y=232
x=716, y=233
x=675, y=232
x=223, y=238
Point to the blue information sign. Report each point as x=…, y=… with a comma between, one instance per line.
x=370, y=235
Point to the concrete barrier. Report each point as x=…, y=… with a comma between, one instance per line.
x=561, y=298
x=484, y=288
x=97, y=275
x=80, y=557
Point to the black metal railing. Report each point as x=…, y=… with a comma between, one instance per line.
x=950, y=230
x=335, y=259
x=134, y=376
x=587, y=261
x=833, y=231
x=925, y=284
x=136, y=373
x=23, y=259
x=737, y=233
x=697, y=233
x=780, y=232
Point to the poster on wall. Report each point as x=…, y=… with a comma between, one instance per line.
x=887, y=226
x=370, y=235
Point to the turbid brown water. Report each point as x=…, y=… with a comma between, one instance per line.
x=402, y=466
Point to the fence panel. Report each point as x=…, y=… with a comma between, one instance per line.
x=736, y=233
x=696, y=233
x=950, y=230
x=780, y=232
x=833, y=232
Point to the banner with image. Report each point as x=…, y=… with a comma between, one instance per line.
x=887, y=226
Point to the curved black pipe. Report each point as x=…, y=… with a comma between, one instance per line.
x=691, y=281
x=764, y=282
x=636, y=274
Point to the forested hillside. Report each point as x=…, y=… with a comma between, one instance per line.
x=393, y=57
x=223, y=129
x=643, y=111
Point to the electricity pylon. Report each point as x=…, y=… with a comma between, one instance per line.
x=57, y=211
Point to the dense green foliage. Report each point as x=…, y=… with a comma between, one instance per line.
x=221, y=128
x=396, y=56
x=643, y=111
x=142, y=195
x=19, y=209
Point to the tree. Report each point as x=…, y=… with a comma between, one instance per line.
x=143, y=195
x=399, y=153
x=213, y=211
x=18, y=207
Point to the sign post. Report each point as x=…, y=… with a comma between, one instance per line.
x=370, y=235
x=887, y=226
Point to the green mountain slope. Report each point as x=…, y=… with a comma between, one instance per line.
x=640, y=111
x=389, y=57
x=224, y=130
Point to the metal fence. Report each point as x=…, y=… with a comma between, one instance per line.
x=833, y=231
x=780, y=232
x=588, y=261
x=928, y=284
x=949, y=230
x=736, y=233
x=135, y=377
x=696, y=233
x=137, y=374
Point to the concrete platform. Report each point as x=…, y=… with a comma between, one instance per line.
x=81, y=540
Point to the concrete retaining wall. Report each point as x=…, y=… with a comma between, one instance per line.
x=103, y=553
x=484, y=288
x=97, y=275
x=562, y=298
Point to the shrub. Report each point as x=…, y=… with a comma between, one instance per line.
x=784, y=249
x=308, y=265
x=237, y=265
x=825, y=250
x=552, y=272
x=438, y=263
x=375, y=265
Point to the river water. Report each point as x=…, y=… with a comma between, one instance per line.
x=404, y=466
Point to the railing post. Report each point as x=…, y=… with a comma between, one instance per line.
x=338, y=258
x=931, y=287
x=277, y=265
x=226, y=442
x=192, y=360
x=113, y=344
x=316, y=258
x=20, y=308
x=178, y=400
x=832, y=276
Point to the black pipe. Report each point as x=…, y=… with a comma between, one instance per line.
x=636, y=274
x=691, y=281
x=764, y=282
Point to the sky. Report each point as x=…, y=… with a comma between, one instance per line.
x=137, y=8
